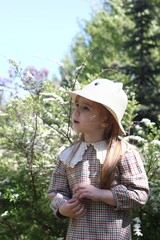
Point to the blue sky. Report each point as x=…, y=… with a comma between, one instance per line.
x=31, y=28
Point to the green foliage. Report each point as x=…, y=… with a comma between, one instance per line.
x=142, y=49
x=131, y=111
x=31, y=135
x=121, y=41
x=32, y=130
x=145, y=135
x=99, y=46
x=36, y=126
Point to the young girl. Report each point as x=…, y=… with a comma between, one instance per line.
x=99, y=179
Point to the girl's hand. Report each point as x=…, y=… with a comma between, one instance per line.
x=73, y=208
x=83, y=190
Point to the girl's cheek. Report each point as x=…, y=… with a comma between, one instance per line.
x=92, y=118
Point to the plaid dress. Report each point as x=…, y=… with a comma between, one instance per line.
x=101, y=221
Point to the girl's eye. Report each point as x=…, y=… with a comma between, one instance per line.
x=86, y=108
x=76, y=105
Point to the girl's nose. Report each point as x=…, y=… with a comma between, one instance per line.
x=76, y=112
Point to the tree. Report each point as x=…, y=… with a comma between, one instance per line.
x=30, y=140
x=142, y=49
x=34, y=127
x=98, y=49
x=32, y=131
x=122, y=42
x=135, y=63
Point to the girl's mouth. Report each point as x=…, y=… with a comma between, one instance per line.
x=75, y=122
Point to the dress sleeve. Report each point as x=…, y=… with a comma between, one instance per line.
x=133, y=190
x=59, y=191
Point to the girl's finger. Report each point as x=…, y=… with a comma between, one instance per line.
x=78, y=207
x=75, y=189
x=78, y=187
x=72, y=200
x=81, y=211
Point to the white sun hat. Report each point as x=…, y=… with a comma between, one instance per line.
x=108, y=93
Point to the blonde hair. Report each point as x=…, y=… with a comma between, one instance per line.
x=115, y=149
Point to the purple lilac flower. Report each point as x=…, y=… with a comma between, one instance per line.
x=32, y=73
x=11, y=73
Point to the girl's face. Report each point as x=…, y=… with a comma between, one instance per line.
x=89, y=118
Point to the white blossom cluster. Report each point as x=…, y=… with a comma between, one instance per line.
x=137, y=227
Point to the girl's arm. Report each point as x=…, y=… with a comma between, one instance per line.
x=133, y=189
x=73, y=209
x=59, y=191
x=83, y=190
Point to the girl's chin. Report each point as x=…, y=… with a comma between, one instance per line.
x=76, y=129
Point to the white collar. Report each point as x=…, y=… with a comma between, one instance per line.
x=73, y=154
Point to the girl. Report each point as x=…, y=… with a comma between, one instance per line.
x=99, y=179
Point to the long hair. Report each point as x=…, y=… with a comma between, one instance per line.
x=115, y=150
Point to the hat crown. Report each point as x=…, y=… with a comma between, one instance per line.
x=108, y=93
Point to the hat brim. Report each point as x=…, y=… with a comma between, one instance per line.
x=89, y=96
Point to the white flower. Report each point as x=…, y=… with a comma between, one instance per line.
x=48, y=99
x=147, y=122
x=156, y=142
x=15, y=195
x=137, y=227
x=76, y=84
x=136, y=138
x=158, y=170
x=62, y=89
x=3, y=114
x=79, y=68
x=137, y=127
x=52, y=97
x=4, y=214
x=29, y=75
x=49, y=115
x=6, y=180
x=137, y=220
x=46, y=94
